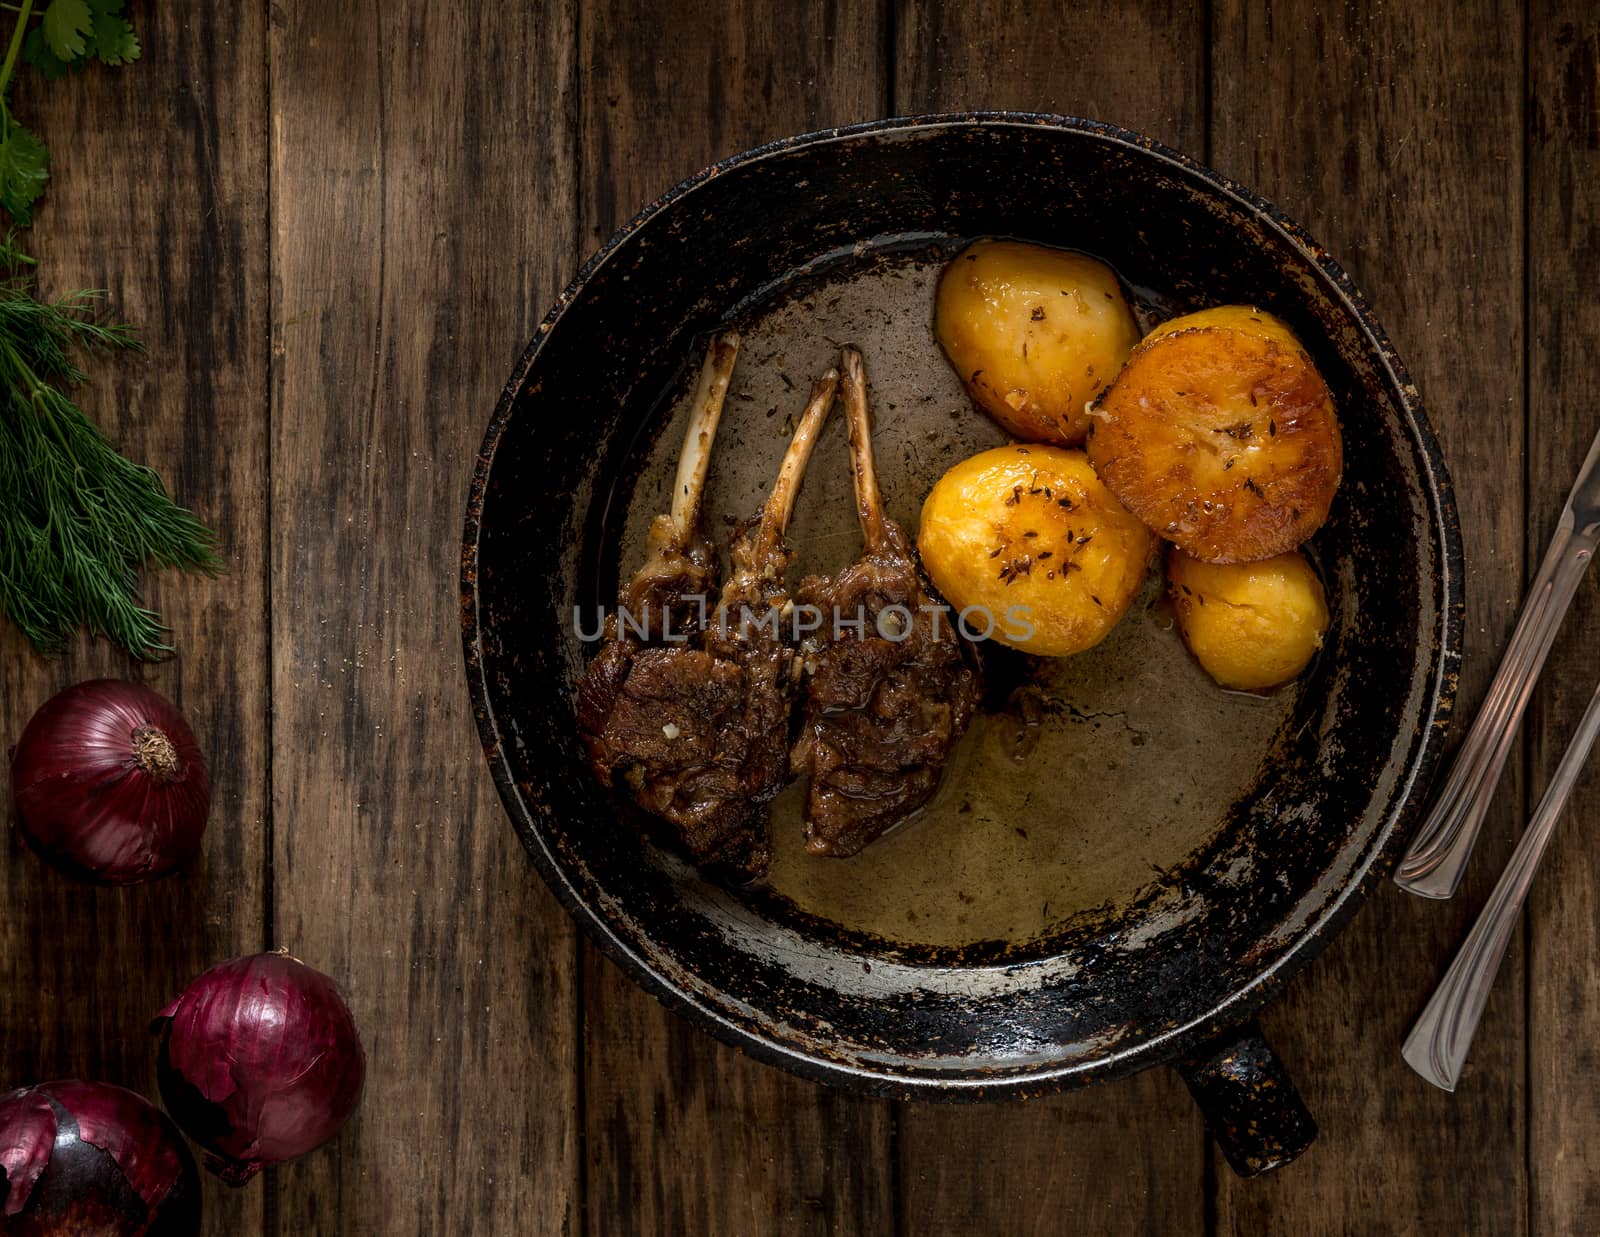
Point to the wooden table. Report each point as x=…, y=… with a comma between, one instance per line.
x=339, y=223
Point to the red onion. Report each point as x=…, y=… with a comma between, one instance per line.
x=260, y=1062
x=109, y=783
x=87, y=1157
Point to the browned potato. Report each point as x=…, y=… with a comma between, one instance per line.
x=1029, y=545
x=1035, y=333
x=1220, y=434
x=1251, y=625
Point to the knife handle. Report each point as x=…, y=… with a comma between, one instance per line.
x=1433, y=866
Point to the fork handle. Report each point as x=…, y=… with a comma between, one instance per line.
x=1438, y=1043
x=1436, y=860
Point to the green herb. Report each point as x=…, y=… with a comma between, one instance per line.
x=69, y=34
x=74, y=32
x=77, y=520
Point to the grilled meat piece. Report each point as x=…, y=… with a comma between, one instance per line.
x=666, y=727
x=886, y=700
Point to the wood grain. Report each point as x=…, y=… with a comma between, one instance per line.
x=670, y=87
x=1563, y=921
x=1394, y=134
x=422, y=214
x=1138, y=65
x=82, y=971
x=1128, y=1157
x=685, y=1135
x=336, y=260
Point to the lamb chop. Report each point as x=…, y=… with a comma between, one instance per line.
x=662, y=608
x=698, y=733
x=884, y=702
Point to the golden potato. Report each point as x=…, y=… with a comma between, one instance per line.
x=1221, y=435
x=1035, y=334
x=1250, y=625
x=1032, y=549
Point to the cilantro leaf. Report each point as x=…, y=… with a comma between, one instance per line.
x=65, y=24
x=107, y=37
x=36, y=51
x=69, y=35
x=114, y=39
x=24, y=168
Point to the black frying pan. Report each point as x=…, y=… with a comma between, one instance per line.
x=1192, y=849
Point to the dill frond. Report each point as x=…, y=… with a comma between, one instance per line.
x=78, y=521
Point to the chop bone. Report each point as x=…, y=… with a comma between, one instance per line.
x=669, y=593
x=760, y=554
x=869, y=501
x=694, y=462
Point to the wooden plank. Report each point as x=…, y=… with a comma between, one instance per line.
x=1563, y=932
x=683, y=1134
x=670, y=87
x=1127, y=1157
x=422, y=213
x=82, y=971
x=1394, y=134
x=1139, y=65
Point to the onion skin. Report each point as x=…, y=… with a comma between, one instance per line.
x=109, y=784
x=87, y=1157
x=260, y=1063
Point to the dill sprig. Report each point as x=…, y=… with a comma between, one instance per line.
x=77, y=520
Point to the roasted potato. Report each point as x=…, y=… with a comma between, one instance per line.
x=1250, y=625
x=1031, y=549
x=1221, y=435
x=1035, y=333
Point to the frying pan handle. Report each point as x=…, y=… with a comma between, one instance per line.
x=1253, y=1109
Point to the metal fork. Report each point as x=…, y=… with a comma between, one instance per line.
x=1436, y=860
x=1438, y=1043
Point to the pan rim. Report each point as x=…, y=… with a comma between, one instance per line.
x=975, y=1082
